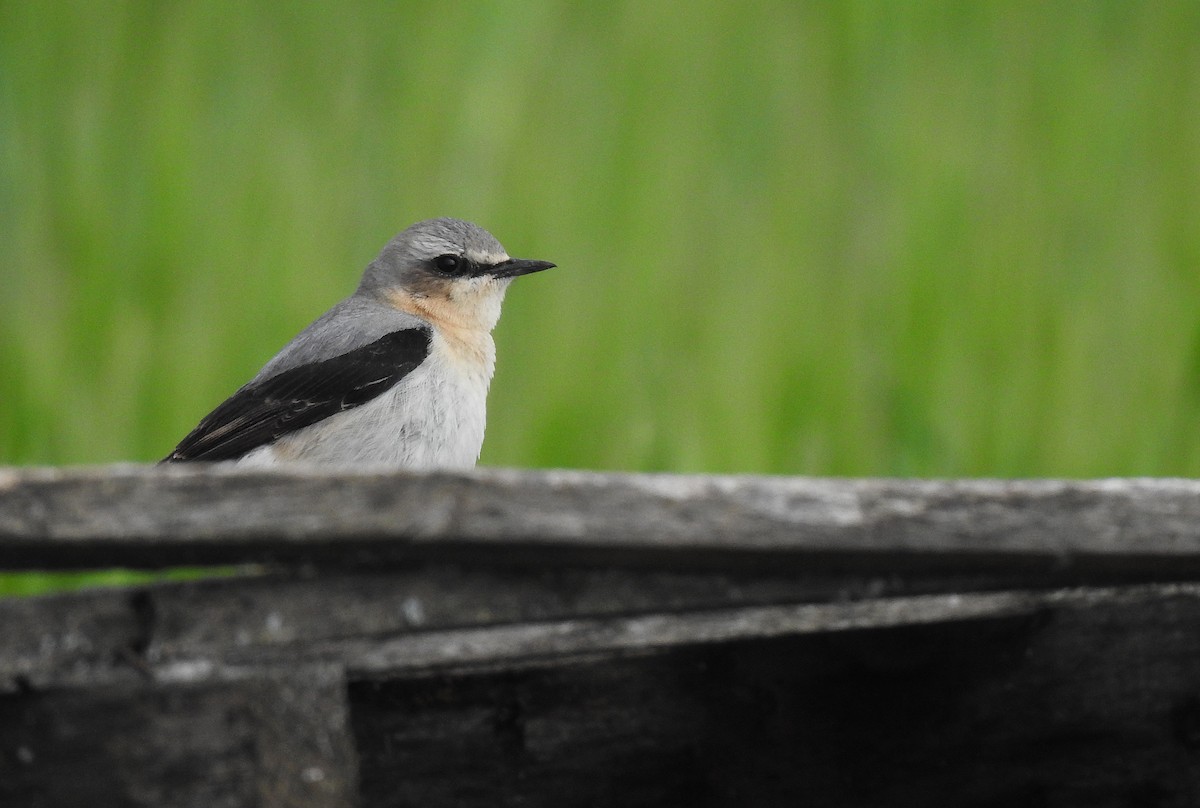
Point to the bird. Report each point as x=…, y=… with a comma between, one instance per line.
x=396, y=374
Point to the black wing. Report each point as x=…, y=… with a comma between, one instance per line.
x=260, y=414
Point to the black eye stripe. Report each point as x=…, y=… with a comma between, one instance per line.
x=458, y=266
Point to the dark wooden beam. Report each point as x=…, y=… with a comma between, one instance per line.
x=1075, y=698
x=276, y=742
x=1089, y=704
x=439, y=620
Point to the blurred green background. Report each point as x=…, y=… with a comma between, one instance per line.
x=843, y=238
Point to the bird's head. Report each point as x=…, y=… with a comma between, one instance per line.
x=449, y=267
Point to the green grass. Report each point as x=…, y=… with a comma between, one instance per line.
x=37, y=583
x=860, y=238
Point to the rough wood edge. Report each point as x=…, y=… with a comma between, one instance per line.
x=522, y=645
x=159, y=516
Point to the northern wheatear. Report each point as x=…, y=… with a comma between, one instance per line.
x=395, y=374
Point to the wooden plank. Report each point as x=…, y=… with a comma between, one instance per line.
x=231, y=631
x=520, y=645
x=281, y=742
x=1075, y=697
x=151, y=516
x=100, y=633
x=1089, y=702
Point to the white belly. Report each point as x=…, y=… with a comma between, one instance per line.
x=433, y=418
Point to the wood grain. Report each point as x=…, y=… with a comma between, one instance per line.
x=156, y=516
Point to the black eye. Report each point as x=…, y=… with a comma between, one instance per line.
x=450, y=264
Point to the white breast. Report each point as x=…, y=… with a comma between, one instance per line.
x=433, y=418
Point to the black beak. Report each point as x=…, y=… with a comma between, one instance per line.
x=518, y=266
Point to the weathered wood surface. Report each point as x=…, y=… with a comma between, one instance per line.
x=156, y=516
x=1082, y=698
x=380, y=625
x=219, y=628
x=563, y=639
x=1086, y=705
x=272, y=742
x=438, y=619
